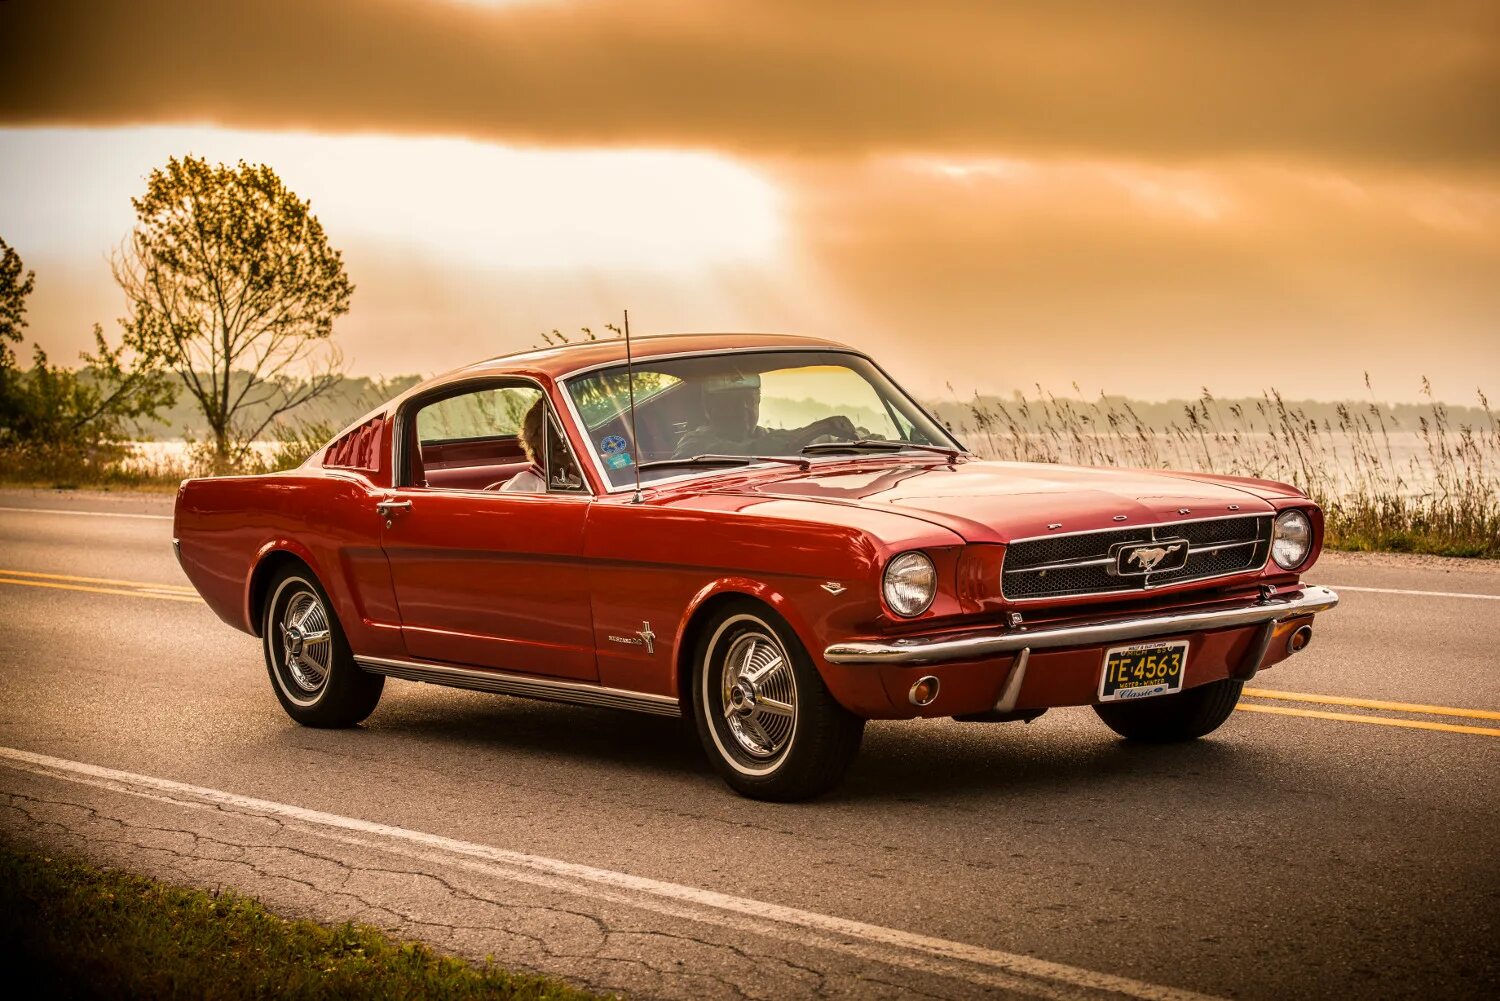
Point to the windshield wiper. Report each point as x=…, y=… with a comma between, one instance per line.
x=878, y=445
x=724, y=460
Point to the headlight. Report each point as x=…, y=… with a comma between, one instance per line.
x=910, y=584
x=1291, y=539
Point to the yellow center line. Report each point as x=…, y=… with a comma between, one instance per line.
x=154, y=585
x=102, y=590
x=1411, y=724
x=1398, y=707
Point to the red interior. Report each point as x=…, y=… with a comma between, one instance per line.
x=474, y=464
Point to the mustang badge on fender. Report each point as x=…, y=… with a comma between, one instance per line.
x=643, y=637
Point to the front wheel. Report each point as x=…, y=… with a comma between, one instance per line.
x=1171, y=718
x=311, y=666
x=763, y=713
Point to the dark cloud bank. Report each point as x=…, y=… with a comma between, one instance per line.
x=1335, y=80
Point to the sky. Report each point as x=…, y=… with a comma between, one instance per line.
x=1140, y=198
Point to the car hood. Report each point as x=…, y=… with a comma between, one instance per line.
x=1002, y=501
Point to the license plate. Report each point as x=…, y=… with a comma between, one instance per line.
x=1143, y=670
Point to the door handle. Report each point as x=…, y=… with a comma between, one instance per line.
x=388, y=507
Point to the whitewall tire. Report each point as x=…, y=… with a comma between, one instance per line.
x=763, y=714
x=308, y=658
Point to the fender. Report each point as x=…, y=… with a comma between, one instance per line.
x=749, y=587
x=335, y=589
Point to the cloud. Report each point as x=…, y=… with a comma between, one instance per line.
x=488, y=205
x=1151, y=280
x=459, y=250
x=1178, y=79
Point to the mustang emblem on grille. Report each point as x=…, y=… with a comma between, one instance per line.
x=1166, y=554
x=1147, y=559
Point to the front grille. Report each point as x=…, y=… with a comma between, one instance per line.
x=1070, y=565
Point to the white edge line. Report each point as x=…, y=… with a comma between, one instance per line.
x=1057, y=974
x=1425, y=594
x=87, y=514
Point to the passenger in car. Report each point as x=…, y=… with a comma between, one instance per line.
x=531, y=480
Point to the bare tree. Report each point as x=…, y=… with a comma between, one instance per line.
x=230, y=279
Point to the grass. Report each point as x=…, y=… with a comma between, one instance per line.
x=1429, y=488
x=72, y=930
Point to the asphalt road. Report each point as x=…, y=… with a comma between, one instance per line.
x=1295, y=853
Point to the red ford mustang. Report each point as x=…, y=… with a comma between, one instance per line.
x=780, y=541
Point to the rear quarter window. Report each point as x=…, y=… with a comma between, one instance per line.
x=358, y=448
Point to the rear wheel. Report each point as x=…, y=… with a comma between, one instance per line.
x=1185, y=716
x=763, y=713
x=312, y=669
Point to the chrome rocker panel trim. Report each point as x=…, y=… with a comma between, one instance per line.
x=923, y=650
x=525, y=686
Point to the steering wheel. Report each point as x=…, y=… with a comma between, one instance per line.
x=835, y=428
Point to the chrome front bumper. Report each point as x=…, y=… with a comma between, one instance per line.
x=977, y=646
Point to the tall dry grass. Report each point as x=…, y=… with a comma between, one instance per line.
x=1433, y=488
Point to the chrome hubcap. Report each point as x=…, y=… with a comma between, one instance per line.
x=306, y=647
x=759, y=695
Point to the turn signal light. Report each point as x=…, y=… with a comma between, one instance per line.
x=924, y=691
x=1299, y=639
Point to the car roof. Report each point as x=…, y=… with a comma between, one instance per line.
x=561, y=361
x=564, y=360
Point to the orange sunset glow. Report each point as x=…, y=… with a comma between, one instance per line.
x=986, y=196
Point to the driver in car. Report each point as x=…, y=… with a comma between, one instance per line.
x=732, y=405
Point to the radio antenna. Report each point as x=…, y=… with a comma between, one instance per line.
x=630, y=383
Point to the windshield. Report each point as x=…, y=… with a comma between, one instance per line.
x=771, y=403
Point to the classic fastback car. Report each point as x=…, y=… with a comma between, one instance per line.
x=764, y=532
